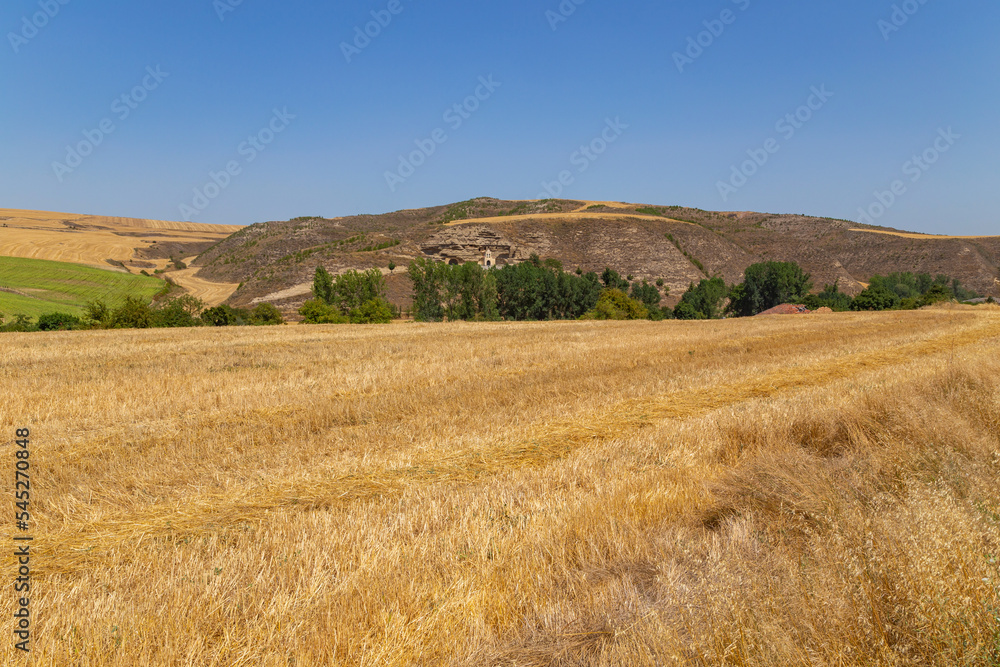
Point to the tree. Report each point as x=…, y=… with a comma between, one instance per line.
x=392, y=266
x=613, y=280
x=703, y=300
x=876, y=297
x=936, y=294
x=616, y=305
x=769, y=284
x=373, y=311
x=133, y=314
x=323, y=285
x=266, y=314
x=831, y=297
x=182, y=311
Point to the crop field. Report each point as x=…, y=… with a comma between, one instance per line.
x=35, y=286
x=814, y=490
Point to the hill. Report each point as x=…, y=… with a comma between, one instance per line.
x=274, y=261
x=122, y=245
x=35, y=286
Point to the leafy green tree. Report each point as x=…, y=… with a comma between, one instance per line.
x=613, y=280
x=323, y=285
x=266, y=314
x=769, y=284
x=935, y=294
x=134, y=313
x=182, y=311
x=705, y=299
x=685, y=311
x=97, y=315
x=876, y=297
x=428, y=278
x=831, y=297
x=649, y=296
x=354, y=288
x=58, y=322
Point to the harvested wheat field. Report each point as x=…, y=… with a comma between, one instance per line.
x=819, y=490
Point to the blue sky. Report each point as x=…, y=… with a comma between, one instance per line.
x=686, y=129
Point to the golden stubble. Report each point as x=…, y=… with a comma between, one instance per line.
x=788, y=490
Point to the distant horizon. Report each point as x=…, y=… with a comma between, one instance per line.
x=229, y=112
x=582, y=200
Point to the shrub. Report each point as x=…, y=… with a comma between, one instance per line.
x=876, y=297
x=182, y=311
x=831, y=297
x=133, y=314
x=58, y=322
x=21, y=324
x=316, y=311
x=614, y=304
x=374, y=311
x=935, y=294
x=98, y=315
x=225, y=316
x=266, y=314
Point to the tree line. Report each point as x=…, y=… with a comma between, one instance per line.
x=135, y=313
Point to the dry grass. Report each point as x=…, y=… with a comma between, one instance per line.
x=814, y=491
x=910, y=235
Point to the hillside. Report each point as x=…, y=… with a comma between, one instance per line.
x=81, y=243
x=34, y=287
x=275, y=261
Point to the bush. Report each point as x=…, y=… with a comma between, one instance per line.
x=831, y=297
x=266, y=314
x=614, y=304
x=133, y=314
x=98, y=315
x=21, y=324
x=225, y=316
x=182, y=311
x=876, y=297
x=685, y=311
x=935, y=294
x=374, y=311
x=317, y=311
x=58, y=322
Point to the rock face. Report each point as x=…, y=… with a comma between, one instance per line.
x=469, y=243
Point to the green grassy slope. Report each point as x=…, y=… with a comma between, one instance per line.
x=46, y=287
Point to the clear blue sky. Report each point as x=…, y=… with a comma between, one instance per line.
x=559, y=83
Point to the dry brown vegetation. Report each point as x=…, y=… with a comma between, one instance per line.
x=771, y=491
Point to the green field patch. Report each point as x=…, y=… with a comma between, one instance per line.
x=46, y=287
